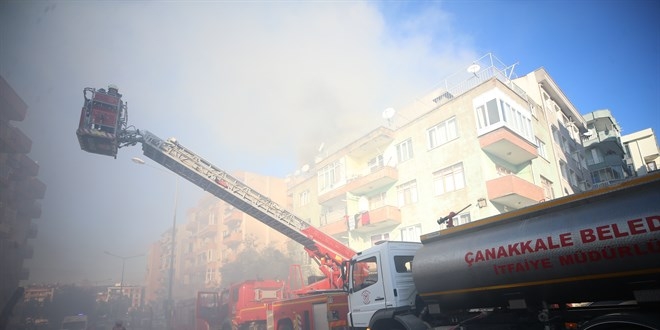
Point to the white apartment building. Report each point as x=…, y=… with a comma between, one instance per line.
x=642, y=152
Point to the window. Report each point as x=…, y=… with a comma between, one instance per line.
x=212, y=217
x=607, y=174
x=594, y=156
x=501, y=111
x=573, y=177
x=365, y=273
x=564, y=173
x=380, y=237
x=540, y=148
x=377, y=201
x=375, y=163
x=330, y=175
x=459, y=219
x=442, y=133
x=411, y=233
x=403, y=264
x=404, y=150
x=449, y=179
x=502, y=171
x=564, y=145
x=547, y=189
x=407, y=193
x=209, y=275
x=651, y=166
x=304, y=198
x=462, y=219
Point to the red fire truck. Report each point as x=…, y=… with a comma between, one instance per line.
x=242, y=305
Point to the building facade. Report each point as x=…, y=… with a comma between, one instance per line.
x=213, y=233
x=642, y=152
x=20, y=190
x=483, y=144
x=603, y=149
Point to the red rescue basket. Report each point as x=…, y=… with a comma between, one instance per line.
x=101, y=120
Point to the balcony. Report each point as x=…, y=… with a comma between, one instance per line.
x=362, y=182
x=13, y=107
x=337, y=227
x=7, y=214
x=514, y=192
x=233, y=239
x=377, y=139
x=32, y=231
x=381, y=218
x=207, y=230
x=30, y=209
x=27, y=251
x=233, y=221
x=24, y=274
x=375, y=178
x=507, y=145
x=31, y=188
x=24, y=166
x=12, y=140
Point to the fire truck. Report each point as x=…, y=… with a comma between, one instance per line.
x=241, y=305
x=589, y=261
x=315, y=306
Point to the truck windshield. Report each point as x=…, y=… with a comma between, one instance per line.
x=365, y=273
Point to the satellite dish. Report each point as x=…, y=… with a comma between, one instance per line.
x=388, y=113
x=305, y=168
x=474, y=68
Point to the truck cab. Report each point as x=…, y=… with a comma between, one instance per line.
x=381, y=284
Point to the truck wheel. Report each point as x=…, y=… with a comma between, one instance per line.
x=623, y=322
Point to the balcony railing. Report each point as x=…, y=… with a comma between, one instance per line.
x=376, y=219
x=507, y=145
x=514, y=192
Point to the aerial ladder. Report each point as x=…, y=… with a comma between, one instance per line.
x=103, y=129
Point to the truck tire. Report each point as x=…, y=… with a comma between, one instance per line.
x=623, y=322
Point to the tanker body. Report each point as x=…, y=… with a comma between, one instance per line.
x=587, y=261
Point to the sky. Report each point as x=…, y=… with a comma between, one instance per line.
x=260, y=85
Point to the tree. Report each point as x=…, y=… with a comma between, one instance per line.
x=253, y=263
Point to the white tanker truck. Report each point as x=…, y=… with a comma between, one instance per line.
x=587, y=261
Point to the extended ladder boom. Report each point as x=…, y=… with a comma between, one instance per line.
x=103, y=129
x=323, y=248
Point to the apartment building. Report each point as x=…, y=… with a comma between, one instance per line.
x=212, y=235
x=154, y=278
x=483, y=143
x=20, y=190
x=642, y=152
x=603, y=149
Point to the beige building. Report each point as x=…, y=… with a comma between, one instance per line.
x=484, y=144
x=642, y=152
x=212, y=235
x=20, y=190
x=155, y=275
